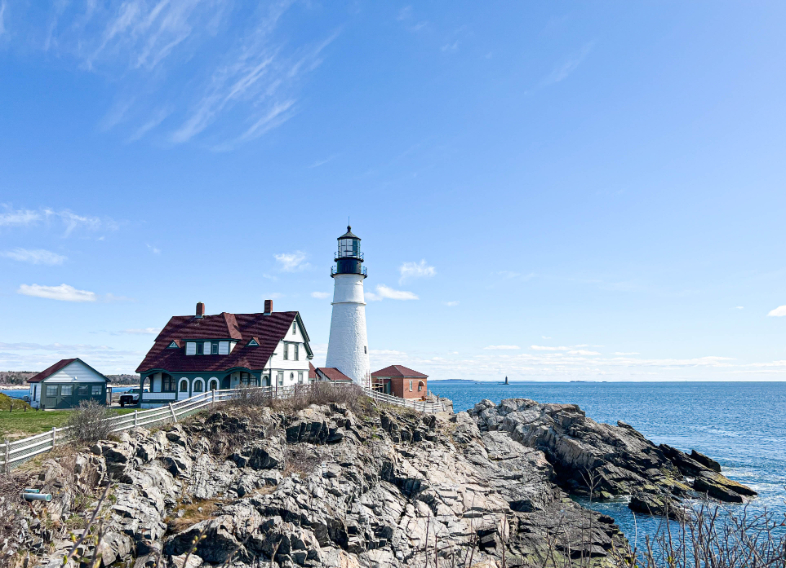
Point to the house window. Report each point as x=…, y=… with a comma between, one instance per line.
x=291, y=377
x=198, y=385
x=294, y=328
x=214, y=348
x=223, y=348
x=66, y=390
x=168, y=383
x=410, y=386
x=51, y=390
x=96, y=390
x=300, y=377
x=245, y=379
x=280, y=378
x=184, y=386
x=286, y=351
x=297, y=354
x=82, y=390
x=420, y=386
x=191, y=348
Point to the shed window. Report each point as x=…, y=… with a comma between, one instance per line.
x=51, y=390
x=66, y=390
x=82, y=390
x=96, y=391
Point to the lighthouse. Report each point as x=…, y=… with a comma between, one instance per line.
x=348, y=346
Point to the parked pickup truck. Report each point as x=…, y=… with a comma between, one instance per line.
x=130, y=398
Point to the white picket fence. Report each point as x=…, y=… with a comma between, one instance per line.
x=19, y=451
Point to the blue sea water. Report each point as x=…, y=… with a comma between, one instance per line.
x=742, y=425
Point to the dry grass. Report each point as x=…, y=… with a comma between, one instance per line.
x=194, y=512
x=303, y=396
x=301, y=459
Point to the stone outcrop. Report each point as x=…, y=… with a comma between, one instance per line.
x=319, y=487
x=607, y=461
x=325, y=486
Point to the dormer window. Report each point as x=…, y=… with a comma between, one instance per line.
x=172, y=345
x=191, y=348
x=214, y=348
x=253, y=343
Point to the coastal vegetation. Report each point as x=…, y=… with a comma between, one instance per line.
x=25, y=421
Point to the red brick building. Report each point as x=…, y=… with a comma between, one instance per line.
x=400, y=381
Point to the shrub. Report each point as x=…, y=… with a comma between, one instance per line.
x=89, y=422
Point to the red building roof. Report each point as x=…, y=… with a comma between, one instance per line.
x=267, y=330
x=333, y=374
x=62, y=364
x=312, y=371
x=398, y=371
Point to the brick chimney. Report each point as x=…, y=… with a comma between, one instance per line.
x=268, y=307
x=200, y=311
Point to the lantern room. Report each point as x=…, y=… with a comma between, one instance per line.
x=348, y=258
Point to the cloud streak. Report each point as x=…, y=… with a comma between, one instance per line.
x=383, y=292
x=35, y=256
x=409, y=270
x=563, y=70
x=292, y=261
x=63, y=293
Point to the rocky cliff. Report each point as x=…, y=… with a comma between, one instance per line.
x=609, y=461
x=329, y=486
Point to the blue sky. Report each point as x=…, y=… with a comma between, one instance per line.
x=547, y=191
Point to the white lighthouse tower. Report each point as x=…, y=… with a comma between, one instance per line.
x=348, y=346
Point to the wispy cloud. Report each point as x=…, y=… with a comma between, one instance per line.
x=320, y=295
x=35, y=256
x=2, y=17
x=778, y=312
x=415, y=270
x=548, y=348
x=502, y=347
x=69, y=220
x=383, y=292
x=292, y=261
x=564, y=69
x=451, y=303
x=19, y=217
x=63, y=293
x=246, y=82
x=739, y=307
x=142, y=331
x=319, y=163
x=153, y=249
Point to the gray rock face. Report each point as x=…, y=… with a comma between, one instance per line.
x=607, y=461
x=320, y=487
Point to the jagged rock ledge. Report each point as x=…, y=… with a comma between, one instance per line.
x=609, y=461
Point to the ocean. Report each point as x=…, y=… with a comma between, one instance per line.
x=742, y=425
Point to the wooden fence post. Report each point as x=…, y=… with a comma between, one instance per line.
x=172, y=410
x=54, y=437
x=7, y=456
x=213, y=402
x=136, y=418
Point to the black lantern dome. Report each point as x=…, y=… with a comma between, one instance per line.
x=349, y=259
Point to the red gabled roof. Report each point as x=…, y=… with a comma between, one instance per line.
x=62, y=364
x=268, y=330
x=333, y=374
x=398, y=371
x=49, y=371
x=312, y=371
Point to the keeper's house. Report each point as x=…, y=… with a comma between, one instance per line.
x=199, y=353
x=65, y=384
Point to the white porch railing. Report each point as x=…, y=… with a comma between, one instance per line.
x=19, y=451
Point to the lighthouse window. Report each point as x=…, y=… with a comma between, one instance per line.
x=365, y=349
